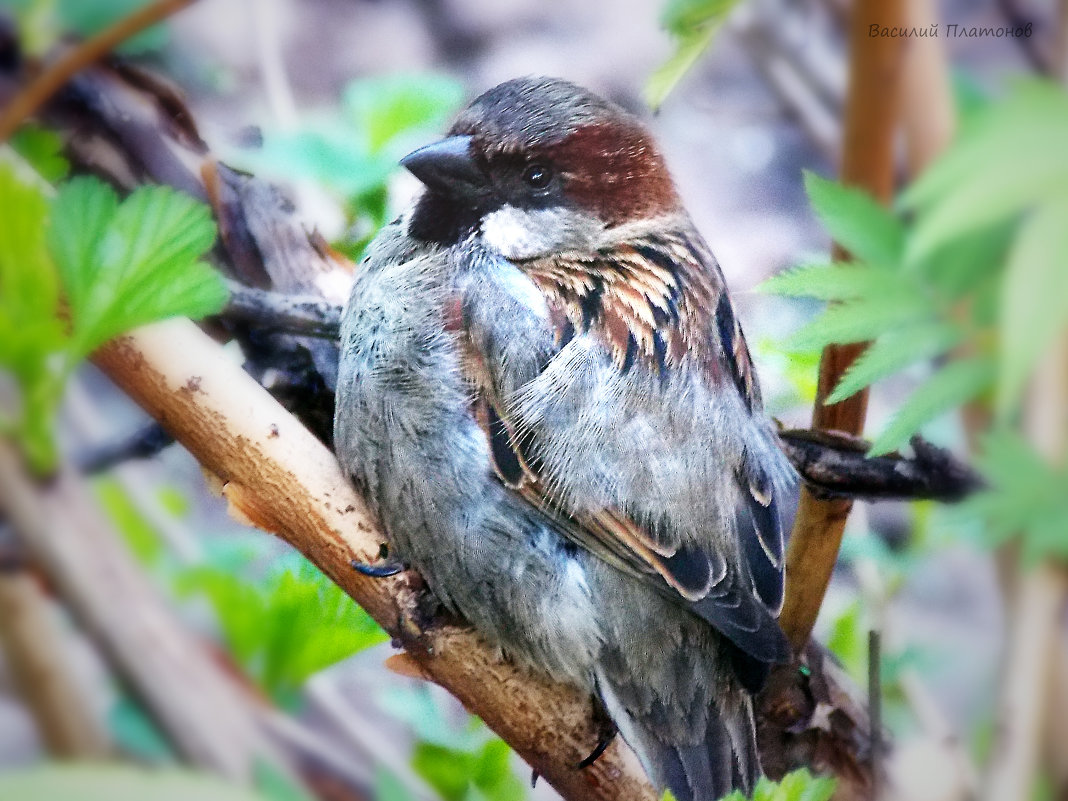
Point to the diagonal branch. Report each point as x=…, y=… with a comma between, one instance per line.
x=278, y=476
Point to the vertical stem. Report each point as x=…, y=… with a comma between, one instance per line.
x=875, y=67
x=34, y=649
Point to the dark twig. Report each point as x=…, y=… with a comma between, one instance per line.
x=277, y=312
x=52, y=79
x=835, y=465
x=144, y=443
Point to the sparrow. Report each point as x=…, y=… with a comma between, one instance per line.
x=547, y=399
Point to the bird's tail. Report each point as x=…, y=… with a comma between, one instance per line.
x=695, y=765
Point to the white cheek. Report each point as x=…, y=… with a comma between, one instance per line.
x=527, y=233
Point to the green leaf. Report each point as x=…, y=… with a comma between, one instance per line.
x=492, y=773
x=951, y=386
x=285, y=627
x=1010, y=159
x=797, y=786
x=833, y=282
x=1034, y=299
x=117, y=783
x=447, y=770
x=43, y=150
x=134, y=263
x=1027, y=498
x=81, y=213
x=894, y=351
x=860, y=320
x=140, y=537
x=136, y=734
x=870, y=232
x=384, y=107
x=274, y=785
x=32, y=337
x=667, y=76
x=693, y=23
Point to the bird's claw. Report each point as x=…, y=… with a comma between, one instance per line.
x=602, y=744
x=377, y=570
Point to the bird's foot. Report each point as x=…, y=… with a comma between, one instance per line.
x=380, y=569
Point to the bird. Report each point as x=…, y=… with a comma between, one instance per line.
x=547, y=398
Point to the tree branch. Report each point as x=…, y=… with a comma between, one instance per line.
x=278, y=476
x=52, y=79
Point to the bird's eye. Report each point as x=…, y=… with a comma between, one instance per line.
x=537, y=176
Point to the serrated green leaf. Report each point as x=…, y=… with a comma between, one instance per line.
x=870, y=232
x=1010, y=159
x=1034, y=299
x=118, y=783
x=951, y=386
x=894, y=351
x=81, y=213
x=859, y=321
x=667, y=76
x=134, y=263
x=833, y=282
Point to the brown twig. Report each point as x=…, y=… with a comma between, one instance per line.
x=36, y=656
x=867, y=161
x=33, y=96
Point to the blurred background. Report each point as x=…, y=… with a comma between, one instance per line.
x=322, y=97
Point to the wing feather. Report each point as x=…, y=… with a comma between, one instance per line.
x=661, y=302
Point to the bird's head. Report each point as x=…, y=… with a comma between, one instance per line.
x=537, y=166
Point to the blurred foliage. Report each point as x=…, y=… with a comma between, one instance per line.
x=970, y=279
x=354, y=150
x=42, y=150
x=461, y=759
x=119, y=783
x=797, y=786
x=693, y=25
x=42, y=23
x=80, y=269
x=284, y=626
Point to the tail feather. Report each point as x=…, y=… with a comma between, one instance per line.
x=707, y=767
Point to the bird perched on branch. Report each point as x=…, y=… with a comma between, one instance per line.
x=546, y=397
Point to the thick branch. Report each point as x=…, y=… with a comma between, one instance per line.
x=276, y=474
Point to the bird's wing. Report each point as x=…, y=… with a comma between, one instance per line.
x=659, y=302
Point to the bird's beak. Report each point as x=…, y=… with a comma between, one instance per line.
x=447, y=167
